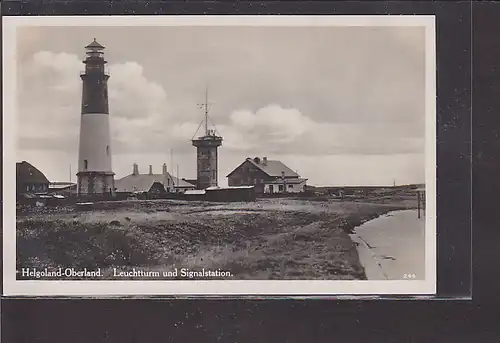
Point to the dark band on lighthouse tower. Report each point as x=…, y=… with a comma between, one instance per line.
x=95, y=175
x=207, y=154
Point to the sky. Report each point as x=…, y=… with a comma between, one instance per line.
x=339, y=105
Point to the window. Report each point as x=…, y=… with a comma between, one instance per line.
x=85, y=164
x=280, y=187
x=290, y=186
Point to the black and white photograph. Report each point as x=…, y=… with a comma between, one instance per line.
x=215, y=155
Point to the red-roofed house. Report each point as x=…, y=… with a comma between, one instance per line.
x=268, y=176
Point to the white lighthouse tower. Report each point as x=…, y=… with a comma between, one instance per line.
x=95, y=174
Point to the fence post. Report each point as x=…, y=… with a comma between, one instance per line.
x=418, y=201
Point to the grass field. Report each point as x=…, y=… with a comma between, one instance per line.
x=267, y=239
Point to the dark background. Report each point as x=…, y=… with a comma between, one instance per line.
x=124, y=321
x=486, y=148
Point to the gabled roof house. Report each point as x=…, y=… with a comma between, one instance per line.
x=268, y=176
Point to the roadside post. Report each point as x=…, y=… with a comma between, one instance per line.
x=420, y=201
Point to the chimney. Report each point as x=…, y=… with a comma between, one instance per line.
x=164, y=169
x=135, y=171
x=150, y=169
x=264, y=160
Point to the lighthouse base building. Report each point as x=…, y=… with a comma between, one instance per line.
x=96, y=183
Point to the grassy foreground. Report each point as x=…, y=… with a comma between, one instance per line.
x=272, y=239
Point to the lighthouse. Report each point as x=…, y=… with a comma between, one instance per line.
x=206, y=153
x=95, y=174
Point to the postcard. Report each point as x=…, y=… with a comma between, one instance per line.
x=219, y=155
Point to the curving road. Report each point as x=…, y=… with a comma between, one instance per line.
x=392, y=247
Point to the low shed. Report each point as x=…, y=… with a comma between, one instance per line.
x=195, y=194
x=231, y=194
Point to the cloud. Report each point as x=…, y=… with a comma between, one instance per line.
x=50, y=104
x=278, y=125
x=288, y=131
x=49, y=101
x=142, y=118
x=343, y=92
x=133, y=96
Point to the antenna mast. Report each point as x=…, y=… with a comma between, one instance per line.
x=206, y=111
x=172, y=162
x=206, y=108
